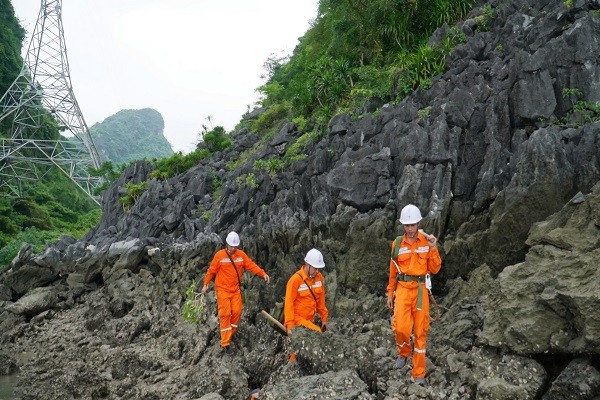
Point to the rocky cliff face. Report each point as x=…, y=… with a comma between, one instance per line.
x=502, y=152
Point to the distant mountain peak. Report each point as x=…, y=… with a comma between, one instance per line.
x=131, y=135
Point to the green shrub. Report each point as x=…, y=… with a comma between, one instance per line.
x=134, y=191
x=215, y=180
x=301, y=123
x=178, y=163
x=251, y=181
x=194, y=308
x=424, y=112
x=242, y=159
x=272, y=166
x=268, y=119
x=482, y=20
x=295, y=149
x=246, y=179
x=590, y=111
x=568, y=92
x=415, y=69
x=33, y=214
x=216, y=139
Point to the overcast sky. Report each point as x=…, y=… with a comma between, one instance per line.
x=187, y=59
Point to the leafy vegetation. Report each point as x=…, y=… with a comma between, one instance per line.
x=215, y=139
x=178, y=163
x=109, y=173
x=582, y=110
x=294, y=151
x=11, y=37
x=267, y=120
x=568, y=92
x=194, y=308
x=271, y=166
x=356, y=50
x=134, y=191
x=247, y=179
x=423, y=112
x=47, y=211
x=482, y=20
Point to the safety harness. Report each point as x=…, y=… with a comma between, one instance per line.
x=308, y=286
x=237, y=275
x=420, y=279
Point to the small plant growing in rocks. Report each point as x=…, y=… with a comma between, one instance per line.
x=194, y=308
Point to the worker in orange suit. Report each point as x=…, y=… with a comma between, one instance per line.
x=227, y=266
x=305, y=295
x=414, y=257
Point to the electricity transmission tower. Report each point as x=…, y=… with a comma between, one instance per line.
x=42, y=89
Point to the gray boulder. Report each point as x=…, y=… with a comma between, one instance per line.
x=34, y=302
x=549, y=302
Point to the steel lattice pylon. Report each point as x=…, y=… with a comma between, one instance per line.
x=44, y=86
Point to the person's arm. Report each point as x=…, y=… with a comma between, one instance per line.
x=210, y=274
x=252, y=267
x=434, y=262
x=392, y=280
x=291, y=291
x=321, y=306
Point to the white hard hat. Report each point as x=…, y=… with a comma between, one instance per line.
x=233, y=239
x=410, y=214
x=314, y=258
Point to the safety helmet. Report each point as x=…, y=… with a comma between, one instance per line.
x=410, y=214
x=314, y=258
x=233, y=239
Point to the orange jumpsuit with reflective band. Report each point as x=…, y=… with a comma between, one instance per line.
x=416, y=259
x=229, y=296
x=300, y=306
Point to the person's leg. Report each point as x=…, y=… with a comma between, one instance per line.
x=236, y=311
x=402, y=322
x=224, y=305
x=421, y=328
x=308, y=324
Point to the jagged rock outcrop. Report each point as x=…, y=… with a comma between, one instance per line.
x=497, y=152
x=547, y=303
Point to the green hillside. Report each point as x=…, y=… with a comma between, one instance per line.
x=131, y=135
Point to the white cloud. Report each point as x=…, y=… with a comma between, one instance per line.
x=187, y=59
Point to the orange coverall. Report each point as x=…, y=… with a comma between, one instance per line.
x=300, y=306
x=415, y=259
x=227, y=285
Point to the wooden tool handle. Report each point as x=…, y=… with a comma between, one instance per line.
x=273, y=320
